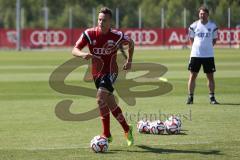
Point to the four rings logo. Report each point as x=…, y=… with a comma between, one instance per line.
x=143, y=36
x=108, y=48
x=229, y=36
x=101, y=51
x=48, y=38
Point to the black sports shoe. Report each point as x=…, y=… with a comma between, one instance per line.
x=190, y=100
x=213, y=100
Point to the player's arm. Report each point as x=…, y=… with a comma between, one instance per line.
x=79, y=53
x=191, y=34
x=80, y=44
x=214, y=41
x=191, y=40
x=130, y=51
x=128, y=63
x=215, y=36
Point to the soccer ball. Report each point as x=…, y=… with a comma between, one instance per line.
x=143, y=127
x=99, y=144
x=173, y=125
x=157, y=127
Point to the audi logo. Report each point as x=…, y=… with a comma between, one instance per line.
x=228, y=36
x=102, y=51
x=48, y=38
x=143, y=37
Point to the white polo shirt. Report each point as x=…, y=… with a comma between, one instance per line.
x=203, y=35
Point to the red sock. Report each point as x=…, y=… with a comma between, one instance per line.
x=105, y=117
x=117, y=113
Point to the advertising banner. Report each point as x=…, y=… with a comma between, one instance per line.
x=37, y=38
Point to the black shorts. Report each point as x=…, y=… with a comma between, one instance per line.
x=207, y=63
x=106, y=81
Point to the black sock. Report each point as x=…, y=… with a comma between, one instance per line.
x=190, y=95
x=211, y=95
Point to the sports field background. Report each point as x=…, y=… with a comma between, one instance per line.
x=30, y=130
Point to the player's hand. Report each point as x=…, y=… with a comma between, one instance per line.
x=88, y=56
x=127, y=66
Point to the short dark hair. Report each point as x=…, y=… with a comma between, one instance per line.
x=204, y=8
x=106, y=10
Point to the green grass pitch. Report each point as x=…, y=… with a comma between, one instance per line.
x=30, y=130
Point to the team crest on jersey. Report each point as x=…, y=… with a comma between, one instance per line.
x=209, y=29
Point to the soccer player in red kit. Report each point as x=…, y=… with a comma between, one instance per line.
x=103, y=43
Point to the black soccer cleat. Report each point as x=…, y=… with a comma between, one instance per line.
x=213, y=100
x=190, y=100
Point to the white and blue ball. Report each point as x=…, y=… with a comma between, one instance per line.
x=143, y=127
x=157, y=127
x=173, y=125
x=99, y=144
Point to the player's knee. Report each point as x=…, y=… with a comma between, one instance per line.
x=100, y=101
x=193, y=76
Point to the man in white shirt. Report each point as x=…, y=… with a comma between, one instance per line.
x=203, y=36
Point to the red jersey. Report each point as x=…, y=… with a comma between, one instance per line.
x=103, y=47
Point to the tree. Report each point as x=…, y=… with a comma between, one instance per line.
x=174, y=13
x=151, y=13
x=128, y=10
x=235, y=10
x=7, y=13
x=220, y=15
